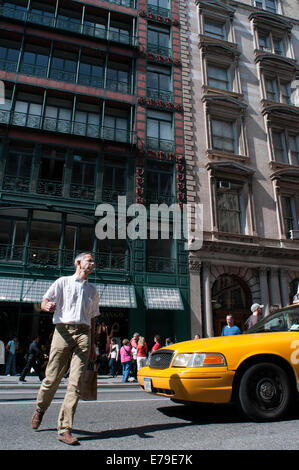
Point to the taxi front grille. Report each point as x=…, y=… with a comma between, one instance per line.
x=160, y=359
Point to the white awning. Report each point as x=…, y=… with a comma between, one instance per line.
x=112, y=295
x=10, y=289
x=163, y=298
x=34, y=290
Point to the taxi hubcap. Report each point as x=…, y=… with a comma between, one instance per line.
x=266, y=390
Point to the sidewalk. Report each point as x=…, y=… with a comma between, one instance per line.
x=33, y=382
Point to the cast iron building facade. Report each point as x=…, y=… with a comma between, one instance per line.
x=240, y=78
x=93, y=110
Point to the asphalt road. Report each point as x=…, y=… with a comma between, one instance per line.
x=132, y=420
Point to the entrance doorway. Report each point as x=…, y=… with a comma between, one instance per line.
x=230, y=295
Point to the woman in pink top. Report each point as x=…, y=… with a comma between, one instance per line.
x=125, y=359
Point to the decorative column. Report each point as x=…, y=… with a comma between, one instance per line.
x=274, y=287
x=208, y=312
x=284, y=287
x=264, y=290
x=195, y=297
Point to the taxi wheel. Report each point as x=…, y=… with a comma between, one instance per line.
x=264, y=392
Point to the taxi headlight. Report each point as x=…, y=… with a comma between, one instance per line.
x=199, y=360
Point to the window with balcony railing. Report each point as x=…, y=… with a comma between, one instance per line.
x=159, y=83
x=159, y=184
x=83, y=177
x=18, y=168
x=118, y=78
x=159, y=7
x=159, y=133
x=92, y=22
x=158, y=40
x=114, y=181
x=160, y=255
x=290, y=214
x=35, y=61
x=9, y=55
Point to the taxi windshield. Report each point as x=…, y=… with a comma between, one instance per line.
x=283, y=320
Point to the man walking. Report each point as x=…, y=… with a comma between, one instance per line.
x=74, y=303
x=11, y=348
x=230, y=329
x=35, y=359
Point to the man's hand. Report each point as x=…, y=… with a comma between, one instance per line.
x=48, y=306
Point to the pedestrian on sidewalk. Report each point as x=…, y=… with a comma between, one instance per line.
x=113, y=357
x=35, y=359
x=11, y=349
x=126, y=359
x=74, y=303
x=142, y=351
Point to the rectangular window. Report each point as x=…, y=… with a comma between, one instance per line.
x=63, y=66
x=114, y=181
x=35, y=61
x=58, y=115
x=91, y=72
x=159, y=84
x=159, y=131
x=215, y=29
x=159, y=183
x=270, y=42
x=218, y=77
x=230, y=210
x=9, y=55
x=280, y=147
x=158, y=40
x=83, y=177
x=116, y=126
x=269, y=5
x=289, y=214
x=224, y=136
x=118, y=77
x=294, y=149
x=28, y=109
x=87, y=120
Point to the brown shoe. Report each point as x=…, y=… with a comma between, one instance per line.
x=36, y=419
x=67, y=438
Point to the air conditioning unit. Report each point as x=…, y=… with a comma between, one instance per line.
x=294, y=234
x=223, y=184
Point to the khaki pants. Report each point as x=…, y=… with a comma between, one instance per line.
x=69, y=342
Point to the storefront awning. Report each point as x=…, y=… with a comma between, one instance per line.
x=112, y=295
x=163, y=298
x=33, y=290
x=10, y=289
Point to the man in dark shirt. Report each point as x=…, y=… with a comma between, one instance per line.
x=256, y=315
x=35, y=359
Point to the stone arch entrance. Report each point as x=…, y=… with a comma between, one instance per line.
x=230, y=294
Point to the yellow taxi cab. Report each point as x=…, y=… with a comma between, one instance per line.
x=258, y=370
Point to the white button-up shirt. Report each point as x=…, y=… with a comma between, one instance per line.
x=76, y=301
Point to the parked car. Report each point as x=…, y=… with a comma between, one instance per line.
x=258, y=370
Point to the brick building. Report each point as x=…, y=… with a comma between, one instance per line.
x=92, y=111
